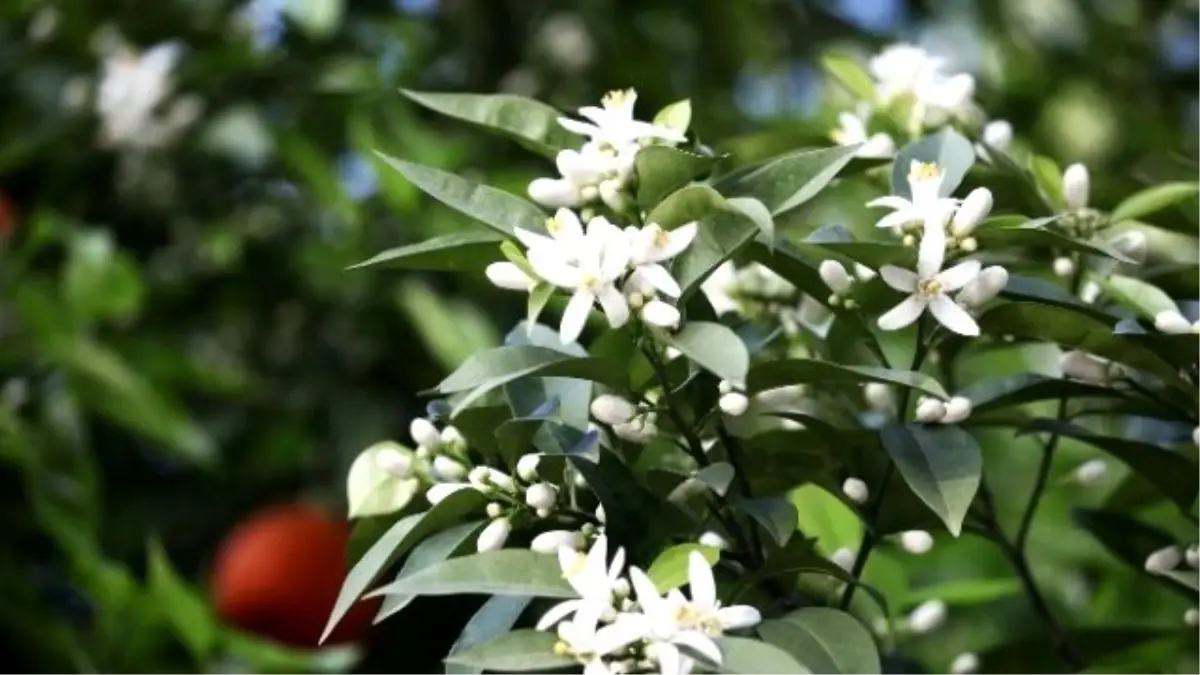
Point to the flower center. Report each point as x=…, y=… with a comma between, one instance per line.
x=589, y=282
x=661, y=238
x=923, y=171
x=576, y=566
x=552, y=226
x=687, y=617
x=616, y=98
x=929, y=289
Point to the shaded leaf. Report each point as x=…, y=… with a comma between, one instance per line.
x=822, y=515
x=670, y=569
x=716, y=476
x=493, y=368
x=662, y=170
x=942, y=465
x=532, y=123
x=519, y=651
x=1002, y=392
x=495, y=617
x=1153, y=199
x=457, y=252
x=791, y=180
x=753, y=657
x=431, y=551
x=824, y=640
x=757, y=212
x=776, y=515
x=805, y=371
x=714, y=347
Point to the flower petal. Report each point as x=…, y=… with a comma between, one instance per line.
x=616, y=310
x=700, y=578
x=902, y=314
x=739, y=616
x=897, y=219
x=548, y=263
x=953, y=317
x=555, y=192
x=575, y=316
x=660, y=278
x=569, y=227
x=893, y=202
x=958, y=276
x=532, y=239
x=678, y=240
x=577, y=127
x=701, y=644
x=932, y=252
x=557, y=613
x=656, y=608
x=669, y=660
x=898, y=278
x=627, y=629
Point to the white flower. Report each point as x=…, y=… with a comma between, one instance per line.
x=448, y=469
x=1079, y=365
x=494, y=535
x=899, y=70
x=439, y=491
x=1132, y=243
x=835, y=276
x=132, y=89
x=661, y=314
x=844, y=558
x=1063, y=266
x=735, y=403
x=852, y=130
x=958, y=409
x=541, y=495
x=600, y=514
x=1076, y=185
x=612, y=409
x=1090, y=472
x=924, y=181
x=973, y=210
x=1171, y=321
x=590, y=575
x=424, y=433
x=395, y=462
x=983, y=288
x=998, y=134
x=650, y=246
x=916, y=542
x=929, y=286
x=589, y=266
x=527, y=466
x=584, y=638
x=550, y=542
x=964, y=663
x=674, y=621
x=928, y=616
x=856, y=490
x=879, y=396
x=715, y=540
x=929, y=410
x=1192, y=617
x=1163, y=560
x=613, y=123
x=508, y=276
x=581, y=171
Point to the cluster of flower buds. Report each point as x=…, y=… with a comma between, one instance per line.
x=934, y=411
x=628, y=421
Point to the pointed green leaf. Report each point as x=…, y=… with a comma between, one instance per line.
x=775, y=515
x=948, y=148
x=1038, y=234
x=1154, y=199
x=805, y=371
x=759, y=214
x=189, y=616
x=662, y=170
x=531, y=123
x=494, y=618
x=516, y=652
x=717, y=476
x=677, y=116
x=670, y=569
x=824, y=516
x=714, y=347
x=850, y=74
x=538, y=297
x=1142, y=297
x=1048, y=178
x=942, y=465
x=753, y=657
x=433, y=550
x=494, y=368
x=503, y=572
x=1002, y=392
x=791, y=180
x=824, y=640
x=457, y=252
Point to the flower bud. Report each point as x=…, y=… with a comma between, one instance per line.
x=550, y=542
x=734, y=404
x=930, y=410
x=508, y=276
x=1192, y=617
x=620, y=588
x=601, y=515
x=856, y=490
x=835, y=276
x=958, y=409
x=964, y=663
x=453, y=438
x=984, y=287
x=844, y=558
x=555, y=193
x=1192, y=555
x=541, y=495
x=422, y=452
x=1091, y=472
x=501, y=480
x=613, y=409
x=998, y=134
x=478, y=477
x=724, y=387
x=424, y=433
x=1196, y=436
x=916, y=542
x=1064, y=266
x=398, y=464
x=493, y=536
x=714, y=540
x=928, y=616
x=863, y=272
x=494, y=510
x=661, y=314
x=1171, y=321
x=448, y=469
x=1076, y=184
x=439, y=491
x=1078, y=365
x=1132, y=243
x=1163, y=560
x=973, y=210
x=879, y=396
x=640, y=430
x=527, y=467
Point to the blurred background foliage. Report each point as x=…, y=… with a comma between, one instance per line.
x=180, y=342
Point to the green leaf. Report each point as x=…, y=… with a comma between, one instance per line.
x=457, y=252
x=1040, y=653
x=714, y=347
x=1153, y=199
x=451, y=328
x=1038, y=234
x=538, y=297
x=531, y=123
x=662, y=170
x=188, y=614
x=1002, y=392
x=1189, y=579
x=717, y=476
x=677, y=116
x=1142, y=297
x=503, y=572
x=806, y=371
x=759, y=214
x=1170, y=471
x=965, y=591
x=791, y=180
x=953, y=153
x=371, y=490
x=636, y=518
x=824, y=640
x=493, y=368
x=527, y=395
x=753, y=657
x=500, y=210
x=494, y=618
x=850, y=74
x=429, y=552
x=1048, y=178
x=837, y=239
x=318, y=18
x=822, y=515
x=723, y=231
x=776, y=515
x=941, y=464
x=670, y=569
x=519, y=651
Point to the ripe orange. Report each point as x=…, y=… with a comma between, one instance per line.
x=278, y=573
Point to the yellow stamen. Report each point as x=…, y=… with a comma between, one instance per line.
x=661, y=238
x=617, y=98
x=923, y=171
x=552, y=226
x=929, y=288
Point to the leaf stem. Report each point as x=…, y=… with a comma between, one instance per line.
x=1039, y=485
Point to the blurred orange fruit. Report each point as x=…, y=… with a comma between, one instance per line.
x=278, y=573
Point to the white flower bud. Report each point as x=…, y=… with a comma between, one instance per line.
x=916, y=542
x=856, y=490
x=448, y=469
x=601, y=515
x=478, y=476
x=964, y=663
x=1089, y=292
x=393, y=461
x=1091, y=472
x=621, y=588
x=1192, y=555
x=1064, y=266
x=958, y=409
x=508, y=276
x=930, y=410
x=1133, y=244
x=973, y=210
x=998, y=134
x=578, y=480
x=555, y=193
x=879, y=396
x=494, y=535
x=424, y=433
x=613, y=409
x=1192, y=617
x=1171, y=321
x=1076, y=184
x=422, y=452
x=844, y=558
x=1081, y=366
x=453, y=438
x=734, y=404
x=527, y=467
x=661, y=314
x=439, y=491
x=501, y=480
x=714, y=540
x=1163, y=560
x=969, y=245
x=987, y=285
x=550, y=542
x=541, y=495
x=1196, y=436
x=835, y=276
x=863, y=272
x=542, y=513
x=928, y=616
x=494, y=510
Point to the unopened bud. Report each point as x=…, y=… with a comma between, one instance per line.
x=734, y=404
x=879, y=396
x=856, y=490
x=835, y=276
x=1192, y=555
x=550, y=542
x=620, y=588
x=998, y=134
x=1076, y=185
x=1091, y=472
x=494, y=510
x=508, y=276
x=1163, y=560
x=909, y=240
x=424, y=433
x=439, y=491
x=661, y=314
x=541, y=495
x=958, y=409
x=1133, y=244
x=863, y=272
x=1064, y=266
x=600, y=514
x=930, y=410
x=964, y=663
x=527, y=467
x=452, y=438
x=501, y=480
x=844, y=558
x=448, y=470
x=928, y=616
x=916, y=542
x=613, y=409
x=1192, y=617
x=1171, y=321
x=984, y=287
x=714, y=540
x=494, y=536
x=973, y=210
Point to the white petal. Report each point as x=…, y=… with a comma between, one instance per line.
x=953, y=317
x=893, y=202
x=958, y=276
x=878, y=146
x=569, y=229
x=615, y=257
x=1076, y=185
x=932, y=251
x=898, y=278
x=557, y=613
x=655, y=607
x=660, y=278
x=661, y=314
x=532, y=239
x=549, y=264
x=897, y=219
x=618, y=562
x=614, y=305
x=619, y=634
x=596, y=667
x=578, y=168
x=577, y=127
x=902, y=314
x=555, y=193
x=678, y=240
x=669, y=659
x=701, y=644
x=739, y=616
x=508, y=276
x=1171, y=321
x=700, y=579
x=575, y=316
